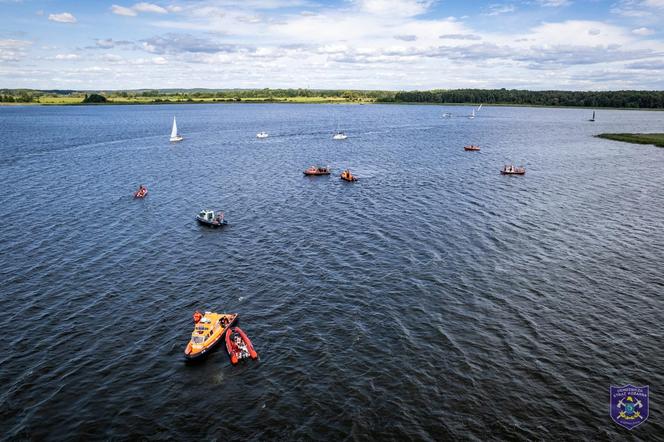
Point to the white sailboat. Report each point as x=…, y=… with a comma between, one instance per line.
x=593, y=118
x=472, y=115
x=262, y=135
x=479, y=108
x=174, y=133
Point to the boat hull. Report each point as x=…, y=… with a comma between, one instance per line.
x=471, y=148
x=502, y=172
x=307, y=173
x=140, y=195
x=211, y=224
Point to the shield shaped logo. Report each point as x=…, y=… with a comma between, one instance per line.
x=629, y=405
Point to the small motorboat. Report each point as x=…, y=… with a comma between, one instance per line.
x=317, y=170
x=142, y=192
x=238, y=345
x=210, y=219
x=209, y=329
x=339, y=136
x=472, y=148
x=262, y=135
x=347, y=176
x=510, y=169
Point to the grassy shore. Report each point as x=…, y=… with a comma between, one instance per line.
x=656, y=139
x=63, y=100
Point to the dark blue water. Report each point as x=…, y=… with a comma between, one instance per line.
x=433, y=299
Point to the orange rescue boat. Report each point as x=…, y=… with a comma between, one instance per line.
x=347, y=176
x=209, y=329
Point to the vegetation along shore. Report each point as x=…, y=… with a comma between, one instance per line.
x=604, y=99
x=656, y=139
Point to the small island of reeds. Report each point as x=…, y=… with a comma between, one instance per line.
x=656, y=139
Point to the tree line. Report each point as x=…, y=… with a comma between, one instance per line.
x=619, y=99
x=624, y=99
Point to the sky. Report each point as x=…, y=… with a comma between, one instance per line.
x=333, y=44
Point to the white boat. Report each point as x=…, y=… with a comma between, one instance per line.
x=262, y=135
x=339, y=136
x=447, y=115
x=174, y=133
x=472, y=115
x=479, y=108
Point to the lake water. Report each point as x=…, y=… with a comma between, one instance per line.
x=433, y=299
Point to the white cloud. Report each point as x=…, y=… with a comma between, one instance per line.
x=149, y=7
x=553, y=3
x=64, y=17
x=143, y=7
x=498, y=9
x=67, y=57
x=402, y=8
x=643, y=31
x=121, y=10
x=13, y=50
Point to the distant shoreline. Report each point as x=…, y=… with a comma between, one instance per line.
x=314, y=102
x=626, y=99
x=637, y=138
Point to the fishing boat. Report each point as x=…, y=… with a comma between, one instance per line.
x=510, y=169
x=347, y=176
x=472, y=147
x=317, y=170
x=593, y=118
x=209, y=328
x=262, y=135
x=175, y=136
x=339, y=136
x=210, y=219
x=142, y=192
x=238, y=345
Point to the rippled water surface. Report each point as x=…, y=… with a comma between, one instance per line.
x=432, y=299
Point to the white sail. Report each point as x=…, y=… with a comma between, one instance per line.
x=174, y=132
x=479, y=108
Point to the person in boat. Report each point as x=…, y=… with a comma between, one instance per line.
x=220, y=218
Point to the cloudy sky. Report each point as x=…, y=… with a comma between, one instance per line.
x=340, y=44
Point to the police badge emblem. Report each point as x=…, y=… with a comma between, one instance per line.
x=629, y=405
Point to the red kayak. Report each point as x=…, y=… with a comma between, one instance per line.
x=238, y=345
x=141, y=192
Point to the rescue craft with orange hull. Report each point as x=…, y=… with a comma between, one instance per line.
x=317, y=170
x=347, y=176
x=209, y=329
x=238, y=345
